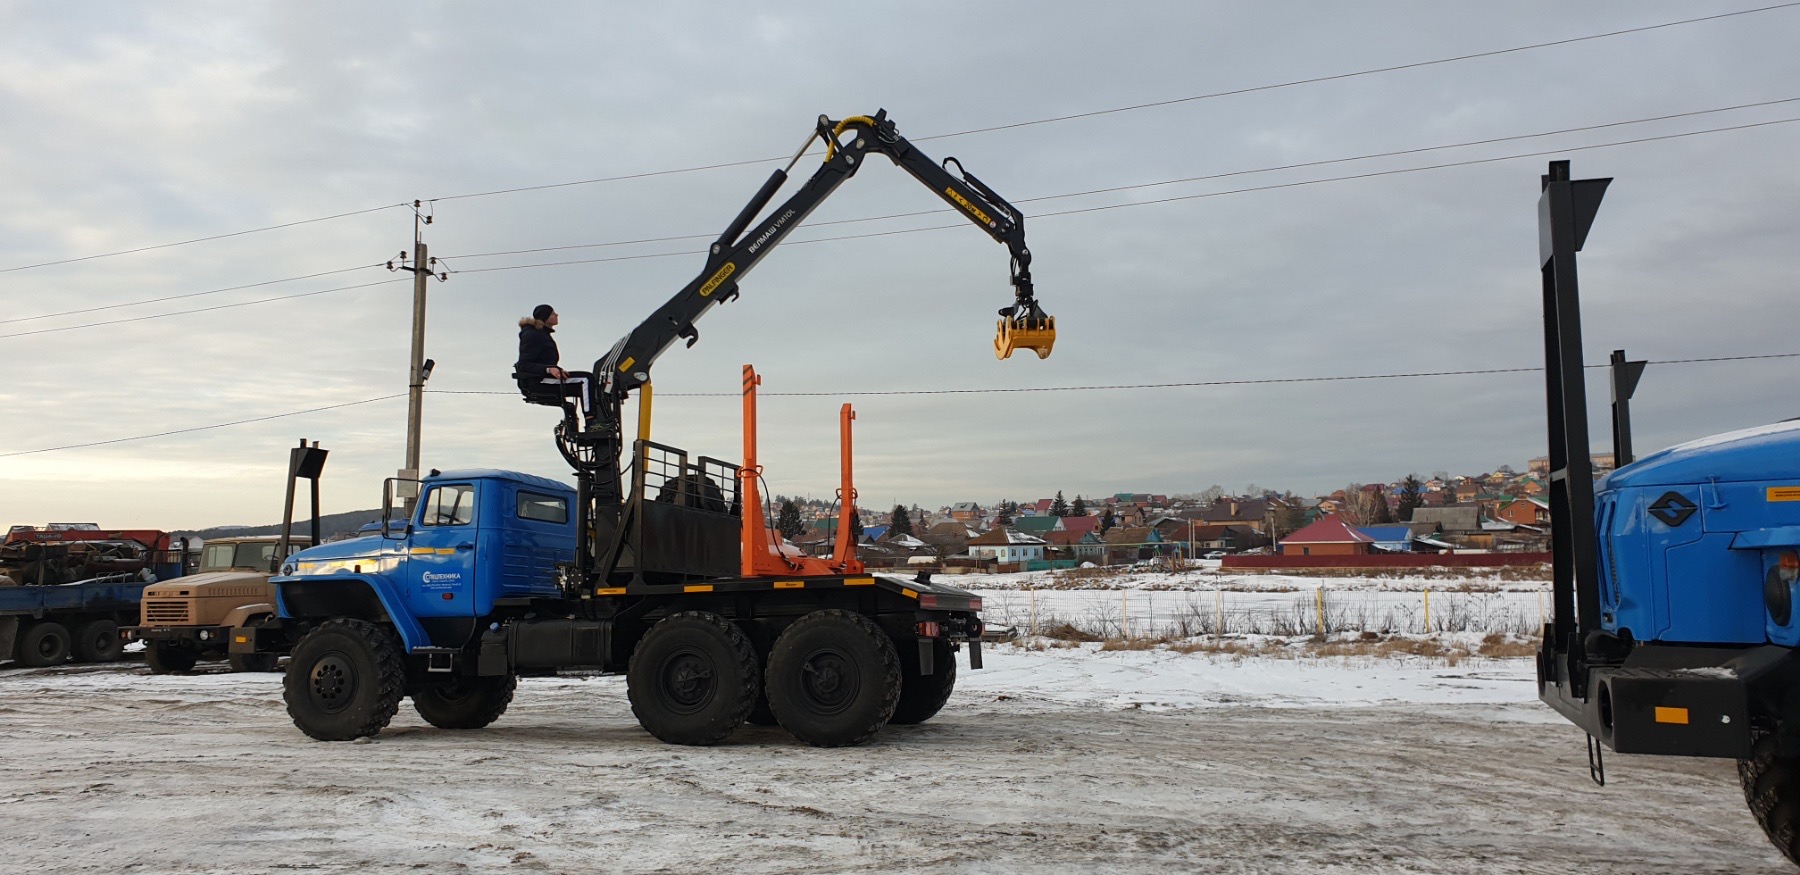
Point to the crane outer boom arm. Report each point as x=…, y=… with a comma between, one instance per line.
x=848, y=143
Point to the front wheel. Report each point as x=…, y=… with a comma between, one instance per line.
x=167, y=657
x=465, y=703
x=833, y=679
x=1771, y=785
x=693, y=679
x=345, y=680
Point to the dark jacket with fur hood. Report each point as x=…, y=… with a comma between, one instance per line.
x=537, y=351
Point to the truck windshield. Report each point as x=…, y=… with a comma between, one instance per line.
x=255, y=555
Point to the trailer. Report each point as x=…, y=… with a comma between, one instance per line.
x=65, y=590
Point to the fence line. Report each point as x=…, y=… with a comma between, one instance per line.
x=1152, y=614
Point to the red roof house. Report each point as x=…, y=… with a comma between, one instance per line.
x=1330, y=536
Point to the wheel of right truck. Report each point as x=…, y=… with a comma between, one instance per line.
x=693, y=679
x=345, y=680
x=167, y=657
x=923, y=695
x=43, y=643
x=1772, y=790
x=833, y=679
x=465, y=703
x=98, y=641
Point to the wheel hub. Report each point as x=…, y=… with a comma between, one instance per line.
x=687, y=681
x=829, y=681
x=332, y=682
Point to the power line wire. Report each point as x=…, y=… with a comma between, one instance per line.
x=1114, y=189
x=1313, y=80
x=1070, y=212
x=187, y=295
x=200, y=239
x=1162, y=103
x=1210, y=194
x=203, y=309
x=1010, y=126
x=196, y=428
x=873, y=393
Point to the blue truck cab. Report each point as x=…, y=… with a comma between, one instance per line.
x=1697, y=542
x=475, y=537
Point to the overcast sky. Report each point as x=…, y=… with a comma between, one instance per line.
x=131, y=125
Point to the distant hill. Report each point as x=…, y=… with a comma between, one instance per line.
x=330, y=525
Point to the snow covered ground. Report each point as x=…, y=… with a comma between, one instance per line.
x=1065, y=760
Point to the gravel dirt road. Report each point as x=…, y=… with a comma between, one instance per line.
x=108, y=769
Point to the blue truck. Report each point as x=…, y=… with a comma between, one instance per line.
x=488, y=575
x=1674, y=628
x=476, y=587
x=65, y=590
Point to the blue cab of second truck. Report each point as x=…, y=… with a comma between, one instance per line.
x=1698, y=542
x=474, y=536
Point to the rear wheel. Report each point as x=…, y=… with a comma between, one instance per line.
x=923, y=695
x=833, y=679
x=43, y=643
x=345, y=680
x=169, y=657
x=1772, y=790
x=465, y=703
x=98, y=641
x=693, y=679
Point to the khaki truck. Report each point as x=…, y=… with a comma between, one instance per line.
x=191, y=618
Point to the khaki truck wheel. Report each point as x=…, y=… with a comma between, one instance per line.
x=465, y=703
x=98, y=641
x=255, y=662
x=345, y=680
x=43, y=643
x=168, y=657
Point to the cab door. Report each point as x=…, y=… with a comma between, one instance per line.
x=440, y=566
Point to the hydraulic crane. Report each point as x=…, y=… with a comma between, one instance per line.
x=594, y=449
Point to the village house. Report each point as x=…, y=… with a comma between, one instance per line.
x=1006, y=546
x=1331, y=536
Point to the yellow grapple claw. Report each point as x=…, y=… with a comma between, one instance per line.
x=1037, y=335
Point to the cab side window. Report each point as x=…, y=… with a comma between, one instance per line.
x=449, y=506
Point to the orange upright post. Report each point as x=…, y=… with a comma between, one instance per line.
x=762, y=556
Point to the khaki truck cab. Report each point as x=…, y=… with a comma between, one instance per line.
x=191, y=618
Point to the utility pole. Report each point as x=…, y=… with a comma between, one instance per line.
x=422, y=268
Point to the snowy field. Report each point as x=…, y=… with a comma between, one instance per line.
x=1060, y=760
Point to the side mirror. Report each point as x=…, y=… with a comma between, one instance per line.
x=392, y=488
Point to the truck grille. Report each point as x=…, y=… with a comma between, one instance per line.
x=168, y=612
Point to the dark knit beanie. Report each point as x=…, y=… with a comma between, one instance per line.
x=542, y=312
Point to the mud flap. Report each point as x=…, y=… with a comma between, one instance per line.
x=9, y=633
x=975, y=653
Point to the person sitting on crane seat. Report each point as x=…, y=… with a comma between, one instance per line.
x=537, y=370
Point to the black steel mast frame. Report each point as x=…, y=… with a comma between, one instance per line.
x=1566, y=210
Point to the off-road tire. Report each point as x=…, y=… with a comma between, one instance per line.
x=166, y=658
x=465, y=703
x=833, y=679
x=923, y=695
x=98, y=641
x=43, y=643
x=1772, y=790
x=345, y=680
x=693, y=679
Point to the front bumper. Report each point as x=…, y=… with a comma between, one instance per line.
x=201, y=636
